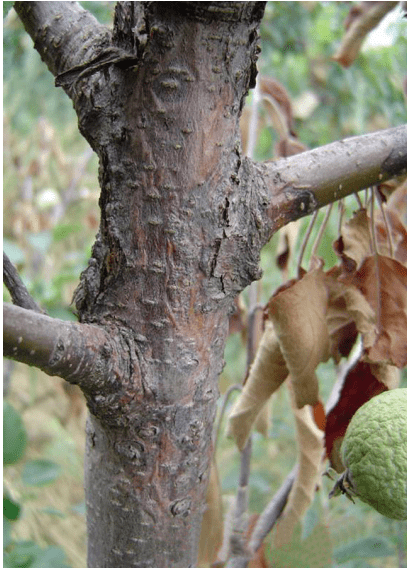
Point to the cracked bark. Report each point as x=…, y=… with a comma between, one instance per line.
x=183, y=220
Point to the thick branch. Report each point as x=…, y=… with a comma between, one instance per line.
x=64, y=34
x=18, y=292
x=305, y=182
x=81, y=354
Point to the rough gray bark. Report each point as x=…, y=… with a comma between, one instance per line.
x=183, y=220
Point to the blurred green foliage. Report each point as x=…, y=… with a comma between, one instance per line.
x=24, y=553
x=51, y=217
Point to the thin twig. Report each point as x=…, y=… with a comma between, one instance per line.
x=239, y=555
x=272, y=512
x=341, y=212
x=321, y=231
x=376, y=263
x=366, y=197
x=222, y=411
x=18, y=291
x=305, y=241
x=356, y=196
x=385, y=220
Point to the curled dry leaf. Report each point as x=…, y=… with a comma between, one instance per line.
x=310, y=441
x=348, y=314
x=360, y=22
x=391, y=233
x=287, y=237
x=263, y=420
x=238, y=320
x=299, y=317
x=383, y=281
x=274, y=89
x=212, y=524
x=354, y=244
x=266, y=375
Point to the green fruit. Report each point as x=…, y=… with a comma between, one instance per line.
x=374, y=452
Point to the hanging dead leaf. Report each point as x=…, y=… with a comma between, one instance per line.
x=275, y=90
x=354, y=244
x=348, y=314
x=361, y=20
x=318, y=413
x=289, y=147
x=389, y=375
x=266, y=375
x=310, y=443
x=391, y=236
x=263, y=420
x=212, y=524
x=359, y=385
x=287, y=237
x=383, y=281
x=298, y=314
x=238, y=320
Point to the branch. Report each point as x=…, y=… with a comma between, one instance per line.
x=64, y=34
x=80, y=353
x=18, y=292
x=303, y=183
x=272, y=512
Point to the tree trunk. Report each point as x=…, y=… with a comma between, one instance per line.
x=165, y=128
x=183, y=220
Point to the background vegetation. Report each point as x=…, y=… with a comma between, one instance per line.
x=50, y=220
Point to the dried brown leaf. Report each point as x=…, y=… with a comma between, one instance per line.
x=287, y=237
x=263, y=420
x=310, y=442
x=354, y=245
x=212, y=524
x=362, y=20
x=299, y=317
x=274, y=89
x=266, y=375
x=394, y=244
x=383, y=281
x=348, y=314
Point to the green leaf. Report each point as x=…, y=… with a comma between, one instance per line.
x=40, y=472
x=369, y=547
x=11, y=509
x=14, y=435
